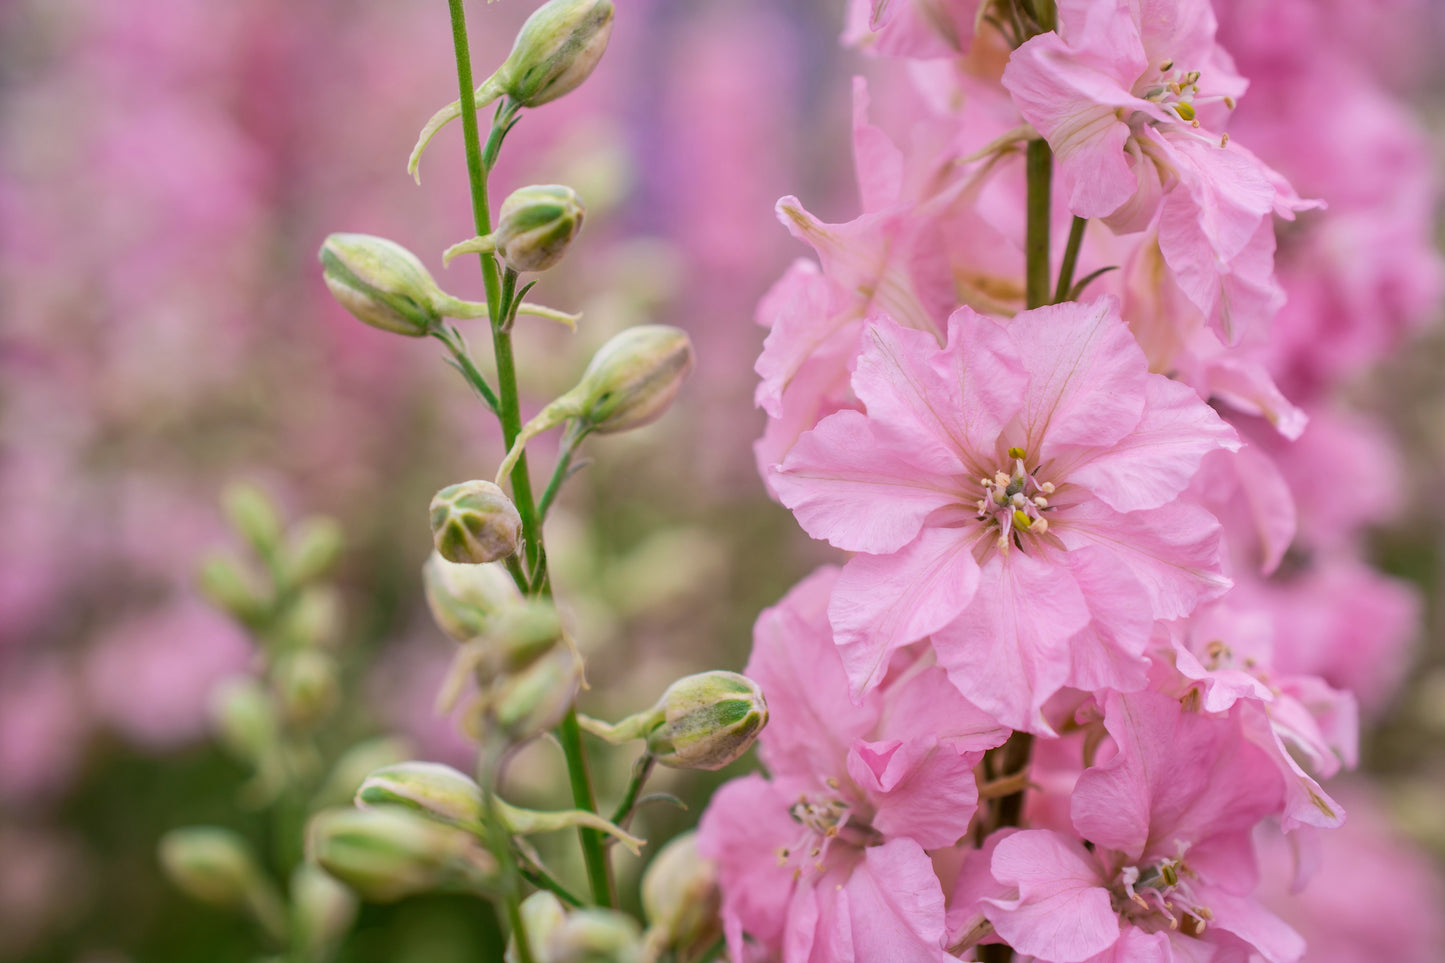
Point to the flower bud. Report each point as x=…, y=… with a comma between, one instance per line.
x=308, y=686
x=254, y=515
x=594, y=936
x=532, y=701
x=633, y=378
x=681, y=899
x=474, y=522
x=227, y=588
x=210, y=864
x=245, y=717
x=387, y=854
x=542, y=912
x=381, y=283
x=556, y=50
x=315, y=547
x=431, y=789
x=322, y=911
x=707, y=720
x=464, y=599
x=312, y=621
x=355, y=764
x=535, y=225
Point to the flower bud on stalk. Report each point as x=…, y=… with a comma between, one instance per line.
x=246, y=718
x=322, y=911
x=254, y=515
x=542, y=912
x=630, y=382
x=464, y=599
x=315, y=547
x=514, y=640
x=594, y=936
x=708, y=720
x=681, y=900
x=227, y=587
x=555, y=52
x=216, y=866
x=534, y=227
x=380, y=282
x=474, y=522
x=390, y=853
x=529, y=703
x=312, y=621
x=308, y=686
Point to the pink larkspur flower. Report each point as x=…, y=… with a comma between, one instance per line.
x=1121, y=92
x=921, y=29
x=1169, y=868
x=1015, y=495
x=825, y=860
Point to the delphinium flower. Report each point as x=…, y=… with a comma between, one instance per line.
x=1014, y=494
x=1160, y=864
x=825, y=859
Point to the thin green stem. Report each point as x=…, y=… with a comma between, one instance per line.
x=640, y=771
x=599, y=867
x=479, y=163
x=469, y=370
x=540, y=878
x=1040, y=168
x=1071, y=259
x=571, y=438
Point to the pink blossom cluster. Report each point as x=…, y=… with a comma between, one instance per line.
x=1106, y=626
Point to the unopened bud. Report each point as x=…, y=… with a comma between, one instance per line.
x=707, y=720
x=534, y=700
x=464, y=599
x=594, y=936
x=312, y=621
x=681, y=899
x=556, y=50
x=381, y=283
x=387, y=854
x=633, y=378
x=474, y=522
x=542, y=912
x=629, y=383
x=254, y=515
x=322, y=911
x=210, y=864
x=225, y=585
x=245, y=717
x=431, y=789
x=308, y=686
x=535, y=225
x=315, y=547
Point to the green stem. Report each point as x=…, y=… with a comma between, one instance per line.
x=1071, y=259
x=540, y=878
x=599, y=871
x=469, y=370
x=640, y=772
x=1040, y=167
x=571, y=438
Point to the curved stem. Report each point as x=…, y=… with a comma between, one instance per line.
x=1071, y=259
x=640, y=771
x=570, y=440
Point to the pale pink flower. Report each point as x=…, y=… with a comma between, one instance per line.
x=920, y=29
x=1120, y=93
x=1025, y=477
x=1169, y=868
x=825, y=860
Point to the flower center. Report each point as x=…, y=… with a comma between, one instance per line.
x=1161, y=895
x=823, y=820
x=1015, y=501
x=1179, y=90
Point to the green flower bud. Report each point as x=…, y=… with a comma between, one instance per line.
x=381, y=283
x=308, y=686
x=254, y=515
x=535, y=225
x=216, y=866
x=464, y=599
x=681, y=899
x=633, y=378
x=474, y=522
x=534, y=700
x=387, y=854
x=556, y=50
x=707, y=720
x=312, y=621
x=246, y=718
x=431, y=789
x=315, y=547
x=322, y=911
x=594, y=936
x=224, y=584
x=542, y=912
x=629, y=383
x=355, y=764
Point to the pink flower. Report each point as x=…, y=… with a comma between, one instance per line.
x=1013, y=494
x=825, y=860
x=921, y=29
x=1169, y=866
x=1120, y=93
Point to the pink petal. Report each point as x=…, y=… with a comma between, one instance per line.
x=884, y=602
x=921, y=791
x=894, y=908
x=1063, y=912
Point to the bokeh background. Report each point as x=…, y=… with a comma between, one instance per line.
x=168, y=169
